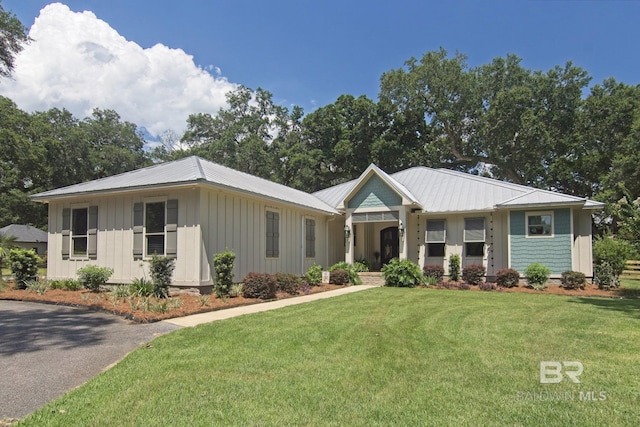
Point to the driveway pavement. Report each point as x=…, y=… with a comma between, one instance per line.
x=47, y=350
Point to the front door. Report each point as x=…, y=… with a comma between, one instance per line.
x=389, y=247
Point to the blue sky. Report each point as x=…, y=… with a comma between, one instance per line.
x=308, y=53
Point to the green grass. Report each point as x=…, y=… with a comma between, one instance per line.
x=379, y=357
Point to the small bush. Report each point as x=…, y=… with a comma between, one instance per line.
x=314, y=275
x=120, y=291
x=354, y=279
x=434, y=271
x=223, y=267
x=259, y=285
x=473, y=274
x=289, y=283
x=402, y=273
x=236, y=290
x=615, y=252
x=508, y=278
x=573, y=280
x=430, y=281
x=464, y=286
x=24, y=266
x=537, y=276
x=486, y=286
x=339, y=277
x=141, y=287
x=605, y=277
x=93, y=277
x=454, y=267
x=37, y=286
x=361, y=266
x=161, y=272
x=305, y=288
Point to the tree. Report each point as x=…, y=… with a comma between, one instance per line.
x=6, y=244
x=13, y=37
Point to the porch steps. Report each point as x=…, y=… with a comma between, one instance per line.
x=372, y=278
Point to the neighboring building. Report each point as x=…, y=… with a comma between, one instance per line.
x=191, y=209
x=27, y=237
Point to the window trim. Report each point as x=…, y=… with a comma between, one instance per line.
x=528, y=215
x=163, y=233
x=73, y=236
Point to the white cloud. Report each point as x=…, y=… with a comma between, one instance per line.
x=78, y=62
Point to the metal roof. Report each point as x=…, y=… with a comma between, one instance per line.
x=190, y=170
x=25, y=233
x=442, y=190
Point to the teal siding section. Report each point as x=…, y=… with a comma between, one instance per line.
x=554, y=252
x=374, y=194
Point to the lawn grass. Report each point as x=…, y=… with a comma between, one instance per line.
x=384, y=356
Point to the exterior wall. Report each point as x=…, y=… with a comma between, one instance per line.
x=374, y=193
x=335, y=244
x=582, y=242
x=555, y=252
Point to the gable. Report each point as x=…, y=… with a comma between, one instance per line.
x=374, y=193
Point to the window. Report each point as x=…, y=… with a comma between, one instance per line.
x=79, y=232
x=540, y=224
x=154, y=222
x=273, y=234
x=436, y=237
x=310, y=238
x=474, y=237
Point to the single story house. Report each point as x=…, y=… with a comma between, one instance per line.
x=27, y=237
x=192, y=208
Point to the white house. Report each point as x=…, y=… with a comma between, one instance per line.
x=192, y=208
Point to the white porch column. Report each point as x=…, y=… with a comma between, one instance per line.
x=403, y=237
x=348, y=248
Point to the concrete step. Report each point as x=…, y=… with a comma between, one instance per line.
x=372, y=278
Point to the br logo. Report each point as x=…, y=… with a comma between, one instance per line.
x=552, y=372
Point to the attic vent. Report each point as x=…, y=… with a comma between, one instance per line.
x=375, y=216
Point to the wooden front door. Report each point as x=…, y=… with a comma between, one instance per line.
x=389, y=247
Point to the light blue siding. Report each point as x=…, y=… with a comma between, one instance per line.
x=374, y=194
x=554, y=252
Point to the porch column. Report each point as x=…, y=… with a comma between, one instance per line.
x=348, y=246
x=403, y=236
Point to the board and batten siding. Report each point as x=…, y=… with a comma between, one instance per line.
x=374, y=193
x=554, y=252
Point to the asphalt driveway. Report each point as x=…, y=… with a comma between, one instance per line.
x=47, y=350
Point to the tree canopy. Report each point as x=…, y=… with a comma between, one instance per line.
x=13, y=37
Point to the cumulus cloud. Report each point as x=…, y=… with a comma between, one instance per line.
x=78, y=62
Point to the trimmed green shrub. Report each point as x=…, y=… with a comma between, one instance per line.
x=92, y=277
x=141, y=287
x=537, y=276
x=473, y=274
x=259, y=285
x=454, y=267
x=614, y=252
x=65, y=285
x=507, y=278
x=24, y=266
x=314, y=275
x=573, y=280
x=354, y=279
x=402, y=273
x=223, y=267
x=161, y=270
x=361, y=265
x=289, y=283
x=434, y=271
x=339, y=277
x=605, y=277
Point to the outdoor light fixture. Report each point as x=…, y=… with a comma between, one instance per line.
x=401, y=229
x=347, y=231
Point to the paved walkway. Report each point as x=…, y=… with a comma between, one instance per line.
x=212, y=316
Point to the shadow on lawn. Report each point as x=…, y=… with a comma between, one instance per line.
x=629, y=306
x=25, y=328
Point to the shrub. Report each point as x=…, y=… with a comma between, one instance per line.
x=537, y=276
x=573, y=280
x=37, y=286
x=354, y=279
x=259, y=285
x=92, y=277
x=464, y=286
x=24, y=266
x=141, y=287
x=314, y=275
x=305, y=288
x=454, y=267
x=508, y=278
x=361, y=265
x=430, y=281
x=434, y=271
x=473, y=274
x=65, y=285
x=161, y=271
x=339, y=277
x=223, y=267
x=236, y=290
x=605, y=277
x=402, y=273
x=614, y=252
x=120, y=291
x=486, y=286
x=289, y=283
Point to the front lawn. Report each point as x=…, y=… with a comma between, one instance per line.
x=380, y=357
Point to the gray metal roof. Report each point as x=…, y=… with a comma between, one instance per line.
x=25, y=233
x=442, y=190
x=190, y=170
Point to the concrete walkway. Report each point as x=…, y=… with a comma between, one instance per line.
x=212, y=316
